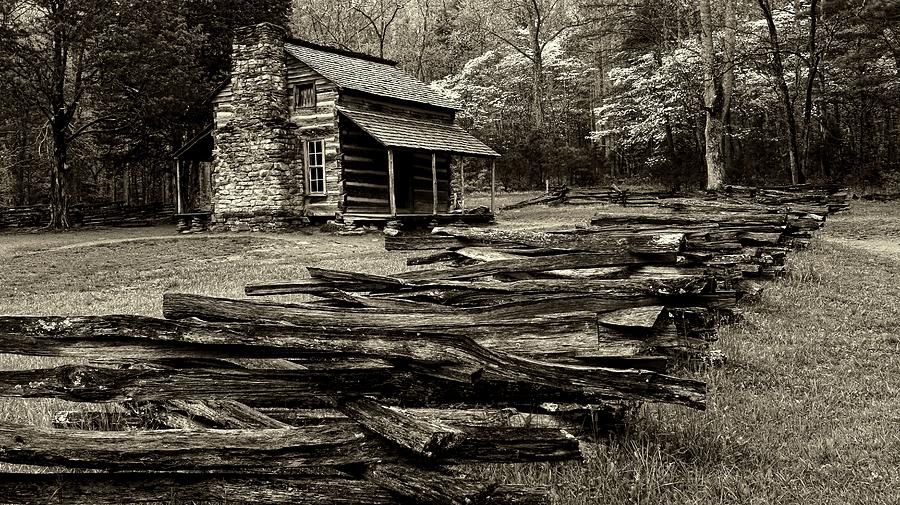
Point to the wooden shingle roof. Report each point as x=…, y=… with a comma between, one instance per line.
x=372, y=76
x=397, y=131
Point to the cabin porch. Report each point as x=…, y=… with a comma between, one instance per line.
x=193, y=182
x=397, y=166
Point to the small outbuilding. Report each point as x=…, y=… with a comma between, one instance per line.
x=306, y=131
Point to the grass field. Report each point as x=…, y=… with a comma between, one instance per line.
x=806, y=411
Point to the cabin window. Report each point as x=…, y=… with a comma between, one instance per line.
x=304, y=95
x=315, y=166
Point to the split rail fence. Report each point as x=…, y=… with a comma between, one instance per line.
x=780, y=195
x=517, y=346
x=110, y=214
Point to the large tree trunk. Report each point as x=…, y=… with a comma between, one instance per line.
x=60, y=116
x=716, y=91
x=713, y=131
x=59, y=184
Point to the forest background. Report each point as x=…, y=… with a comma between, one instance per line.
x=96, y=95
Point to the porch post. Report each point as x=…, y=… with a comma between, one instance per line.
x=434, y=184
x=493, y=182
x=178, y=208
x=462, y=185
x=391, y=195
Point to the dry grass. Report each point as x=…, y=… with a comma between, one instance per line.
x=806, y=411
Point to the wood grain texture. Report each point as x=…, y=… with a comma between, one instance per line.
x=429, y=486
x=337, y=443
x=570, y=240
x=500, y=379
x=423, y=437
x=121, y=487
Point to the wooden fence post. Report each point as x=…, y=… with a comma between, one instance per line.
x=462, y=186
x=391, y=196
x=493, y=183
x=434, y=184
x=178, y=207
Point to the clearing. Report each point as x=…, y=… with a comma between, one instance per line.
x=805, y=411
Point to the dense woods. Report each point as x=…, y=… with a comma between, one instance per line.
x=97, y=94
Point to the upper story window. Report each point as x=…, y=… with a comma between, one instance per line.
x=304, y=95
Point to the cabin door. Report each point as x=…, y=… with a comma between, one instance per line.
x=403, y=181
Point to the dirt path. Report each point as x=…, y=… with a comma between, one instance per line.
x=882, y=247
x=25, y=245
x=93, y=243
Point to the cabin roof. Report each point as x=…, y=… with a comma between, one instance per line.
x=398, y=131
x=367, y=75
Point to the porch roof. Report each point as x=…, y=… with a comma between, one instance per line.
x=402, y=132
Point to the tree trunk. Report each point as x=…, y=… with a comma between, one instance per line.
x=814, y=61
x=537, y=69
x=59, y=193
x=716, y=92
x=787, y=102
x=60, y=116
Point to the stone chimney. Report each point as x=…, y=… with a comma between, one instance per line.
x=257, y=183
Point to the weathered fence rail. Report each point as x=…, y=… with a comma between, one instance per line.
x=111, y=214
x=374, y=409
x=592, y=196
x=506, y=353
x=833, y=198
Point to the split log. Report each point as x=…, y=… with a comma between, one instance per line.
x=429, y=486
x=305, y=286
x=498, y=436
x=511, y=328
x=422, y=437
x=508, y=323
x=746, y=220
x=486, y=420
x=662, y=243
x=118, y=488
x=304, y=387
x=503, y=380
x=214, y=414
x=190, y=449
x=433, y=258
x=344, y=444
x=126, y=338
x=634, y=318
x=541, y=264
x=139, y=337
x=646, y=283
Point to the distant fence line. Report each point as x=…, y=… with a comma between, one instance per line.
x=107, y=214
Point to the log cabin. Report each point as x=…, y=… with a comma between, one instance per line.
x=302, y=131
